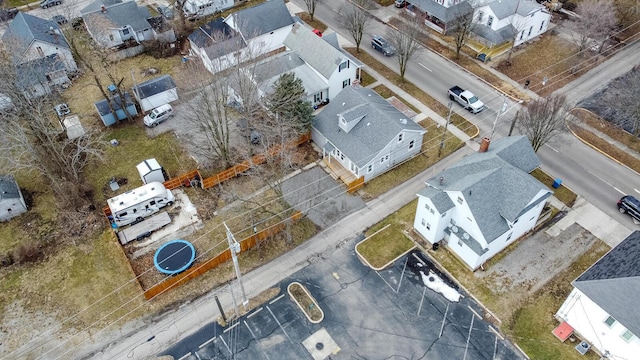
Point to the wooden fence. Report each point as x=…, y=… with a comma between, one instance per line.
x=221, y=258
x=355, y=185
x=183, y=180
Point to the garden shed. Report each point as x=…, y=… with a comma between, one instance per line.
x=155, y=92
x=11, y=200
x=107, y=116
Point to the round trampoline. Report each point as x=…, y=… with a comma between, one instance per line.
x=174, y=257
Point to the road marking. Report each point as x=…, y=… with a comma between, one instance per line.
x=402, y=275
x=253, y=313
x=206, y=343
x=276, y=319
x=185, y=356
x=425, y=67
x=230, y=327
x=276, y=299
x=620, y=191
x=225, y=345
x=198, y=356
x=385, y=281
x=251, y=331
x=496, y=332
x=424, y=289
x=552, y=148
x=474, y=312
x=337, y=277
x=636, y=190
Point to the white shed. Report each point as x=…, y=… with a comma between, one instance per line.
x=11, y=201
x=155, y=92
x=151, y=171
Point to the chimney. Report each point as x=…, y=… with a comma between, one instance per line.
x=484, y=145
x=104, y=9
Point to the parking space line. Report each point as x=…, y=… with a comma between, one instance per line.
x=197, y=356
x=385, y=281
x=255, y=312
x=251, y=331
x=466, y=348
x=230, y=327
x=424, y=289
x=206, y=343
x=276, y=299
x=279, y=324
x=185, y=356
x=225, y=345
x=474, y=312
x=444, y=318
x=402, y=275
x=496, y=332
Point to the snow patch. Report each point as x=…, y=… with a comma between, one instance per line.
x=433, y=282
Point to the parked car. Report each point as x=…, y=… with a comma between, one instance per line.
x=8, y=14
x=381, y=44
x=60, y=19
x=630, y=205
x=317, y=32
x=49, y=3
x=165, y=11
x=62, y=110
x=248, y=132
x=400, y=3
x=158, y=115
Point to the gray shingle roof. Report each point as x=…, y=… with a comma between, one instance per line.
x=496, y=184
x=35, y=72
x=332, y=39
x=445, y=14
x=316, y=52
x=97, y=5
x=8, y=188
x=269, y=71
x=117, y=15
x=505, y=8
x=25, y=28
x=365, y=140
x=116, y=102
x=154, y=86
x=263, y=18
x=217, y=38
x=439, y=198
x=613, y=282
x=495, y=37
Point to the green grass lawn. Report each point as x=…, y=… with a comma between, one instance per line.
x=562, y=193
x=386, y=93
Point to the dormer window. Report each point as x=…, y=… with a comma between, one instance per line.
x=400, y=137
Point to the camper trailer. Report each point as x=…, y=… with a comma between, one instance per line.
x=137, y=204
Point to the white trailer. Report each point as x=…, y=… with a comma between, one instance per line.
x=144, y=229
x=196, y=9
x=151, y=171
x=137, y=204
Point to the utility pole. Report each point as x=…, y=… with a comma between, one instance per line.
x=500, y=112
x=513, y=122
x=234, y=247
x=445, y=129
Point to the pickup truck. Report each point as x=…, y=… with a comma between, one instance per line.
x=466, y=98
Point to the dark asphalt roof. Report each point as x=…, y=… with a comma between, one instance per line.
x=154, y=86
x=445, y=14
x=103, y=106
x=263, y=18
x=35, y=72
x=613, y=282
x=25, y=28
x=8, y=188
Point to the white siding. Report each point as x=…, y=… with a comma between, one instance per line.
x=338, y=77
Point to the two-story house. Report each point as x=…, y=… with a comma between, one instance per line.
x=40, y=52
x=602, y=308
x=365, y=134
x=217, y=45
x=501, y=21
x=111, y=23
x=440, y=15
x=483, y=203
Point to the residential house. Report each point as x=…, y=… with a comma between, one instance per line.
x=602, y=307
x=12, y=202
x=365, y=134
x=39, y=77
x=155, y=92
x=484, y=202
x=501, y=21
x=113, y=110
x=217, y=45
x=263, y=27
x=440, y=15
x=111, y=23
x=195, y=9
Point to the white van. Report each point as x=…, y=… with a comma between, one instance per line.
x=158, y=115
x=137, y=204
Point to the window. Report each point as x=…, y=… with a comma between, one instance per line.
x=152, y=202
x=427, y=207
x=428, y=226
x=412, y=144
x=135, y=211
x=610, y=321
x=342, y=157
x=490, y=21
x=627, y=336
x=432, y=212
x=337, y=152
x=384, y=158
x=480, y=16
x=541, y=26
x=40, y=51
x=522, y=35
x=530, y=30
x=509, y=237
x=110, y=37
x=317, y=97
x=460, y=201
x=370, y=168
x=423, y=222
x=346, y=83
x=443, y=214
x=468, y=218
x=344, y=65
x=400, y=137
x=459, y=242
x=125, y=31
x=453, y=222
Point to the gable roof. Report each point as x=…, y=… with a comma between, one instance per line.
x=445, y=14
x=9, y=188
x=25, y=29
x=263, y=18
x=270, y=70
x=495, y=184
x=332, y=39
x=35, y=72
x=117, y=15
x=154, y=86
x=217, y=38
x=505, y=8
x=316, y=52
x=381, y=124
x=613, y=282
x=103, y=106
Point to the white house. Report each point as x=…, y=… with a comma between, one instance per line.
x=602, y=309
x=440, y=15
x=484, y=202
x=364, y=133
x=11, y=200
x=501, y=21
x=194, y=9
x=111, y=22
x=155, y=92
x=263, y=27
x=217, y=45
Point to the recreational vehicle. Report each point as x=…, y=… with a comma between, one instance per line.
x=196, y=9
x=136, y=204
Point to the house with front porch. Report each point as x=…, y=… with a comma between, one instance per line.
x=439, y=15
x=484, y=202
x=363, y=135
x=602, y=310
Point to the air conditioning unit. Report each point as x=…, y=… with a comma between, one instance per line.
x=583, y=347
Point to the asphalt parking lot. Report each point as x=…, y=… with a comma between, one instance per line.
x=368, y=315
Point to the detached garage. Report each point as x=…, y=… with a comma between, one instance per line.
x=155, y=92
x=11, y=201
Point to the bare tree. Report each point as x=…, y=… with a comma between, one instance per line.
x=311, y=7
x=596, y=23
x=354, y=16
x=462, y=26
x=542, y=119
x=406, y=41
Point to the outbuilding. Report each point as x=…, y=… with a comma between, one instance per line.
x=11, y=200
x=155, y=92
x=107, y=116
x=150, y=171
